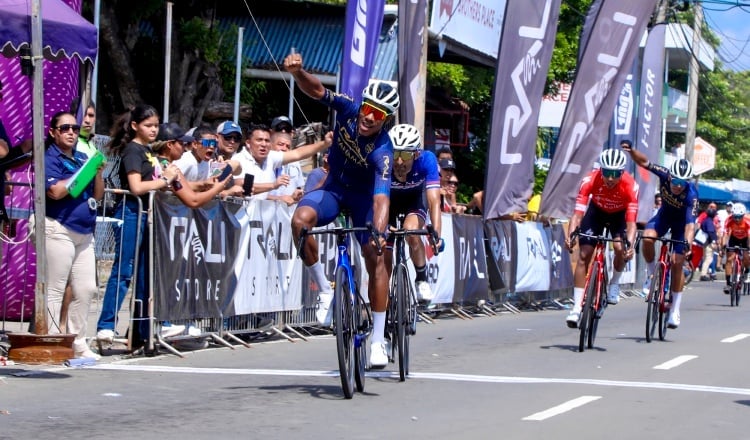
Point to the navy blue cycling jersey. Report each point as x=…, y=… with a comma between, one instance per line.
x=674, y=206
x=424, y=174
x=357, y=162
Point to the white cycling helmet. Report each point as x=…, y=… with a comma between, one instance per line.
x=612, y=159
x=383, y=95
x=681, y=169
x=405, y=137
x=738, y=210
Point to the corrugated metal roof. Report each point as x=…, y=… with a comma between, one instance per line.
x=318, y=38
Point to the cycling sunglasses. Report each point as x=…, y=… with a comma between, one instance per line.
x=611, y=174
x=64, y=128
x=233, y=137
x=369, y=109
x=404, y=155
x=678, y=182
x=209, y=143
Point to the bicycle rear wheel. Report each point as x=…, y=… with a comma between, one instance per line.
x=362, y=324
x=652, y=312
x=598, y=312
x=734, y=284
x=664, y=307
x=344, y=329
x=401, y=281
x=587, y=313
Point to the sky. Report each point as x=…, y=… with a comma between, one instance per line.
x=730, y=20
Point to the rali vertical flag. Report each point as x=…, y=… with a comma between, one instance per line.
x=526, y=43
x=604, y=65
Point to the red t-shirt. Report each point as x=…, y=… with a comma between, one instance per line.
x=621, y=197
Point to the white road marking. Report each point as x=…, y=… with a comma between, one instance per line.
x=679, y=360
x=564, y=407
x=735, y=338
x=425, y=376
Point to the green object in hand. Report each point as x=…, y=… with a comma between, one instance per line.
x=81, y=179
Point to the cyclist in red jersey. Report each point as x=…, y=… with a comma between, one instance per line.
x=608, y=197
x=736, y=234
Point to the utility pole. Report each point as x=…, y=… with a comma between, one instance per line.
x=693, y=83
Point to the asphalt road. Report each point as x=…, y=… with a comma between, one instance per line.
x=511, y=376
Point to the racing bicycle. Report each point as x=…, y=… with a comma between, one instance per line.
x=401, y=314
x=736, y=282
x=595, y=290
x=659, y=298
x=352, y=319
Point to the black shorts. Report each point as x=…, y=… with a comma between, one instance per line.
x=595, y=220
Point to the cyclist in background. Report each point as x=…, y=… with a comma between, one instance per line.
x=608, y=197
x=359, y=178
x=736, y=234
x=415, y=175
x=677, y=213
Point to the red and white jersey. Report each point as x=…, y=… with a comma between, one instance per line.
x=621, y=197
x=735, y=229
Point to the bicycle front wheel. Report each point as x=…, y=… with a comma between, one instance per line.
x=652, y=312
x=587, y=313
x=344, y=328
x=401, y=277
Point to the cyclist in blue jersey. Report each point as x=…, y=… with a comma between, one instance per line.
x=359, y=179
x=415, y=175
x=677, y=214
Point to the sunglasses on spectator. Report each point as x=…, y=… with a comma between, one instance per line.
x=369, y=109
x=403, y=155
x=233, y=137
x=678, y=182
x=211, y=143
x=611, y=174
x=453, y=182
x=64, y=128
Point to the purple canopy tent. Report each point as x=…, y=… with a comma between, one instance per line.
x=66, y=35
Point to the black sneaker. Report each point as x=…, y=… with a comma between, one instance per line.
x=705, y=278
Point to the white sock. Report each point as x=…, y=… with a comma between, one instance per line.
x=319, y=276
x=615, y=277
x=378, y=327
x=676, y=300
x=577, y=298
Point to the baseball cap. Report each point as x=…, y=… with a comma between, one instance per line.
x=447, y=164
x=281, y=123
x=172, y=131
x=228, y=127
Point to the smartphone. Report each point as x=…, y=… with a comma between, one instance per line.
x=225, y=172
x=247, y=185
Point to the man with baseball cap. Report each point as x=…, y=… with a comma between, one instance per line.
x=282, y=123
x=230, y=139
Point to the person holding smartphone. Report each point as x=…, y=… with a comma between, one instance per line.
x=258, y=159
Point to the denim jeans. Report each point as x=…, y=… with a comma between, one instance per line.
x=128, y=239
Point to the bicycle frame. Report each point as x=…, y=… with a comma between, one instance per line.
x=737, y=275
x=659, y=297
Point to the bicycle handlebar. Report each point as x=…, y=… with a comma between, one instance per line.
x=577, y=233
x=339, y=231
x=429, y=231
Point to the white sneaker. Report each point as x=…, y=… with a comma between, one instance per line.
x=613, y=294
x=105, y=335
x=747, y=277
x=378, y=355
x=572, y=319
x=647, y=285
x=674, y=319
x=167, y=331
x=424, y=291
x=324, y=314
x=194, y=331
x=87, y=354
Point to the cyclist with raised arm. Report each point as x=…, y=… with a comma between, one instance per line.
x=608, y=197
x=359, y=179
x=736, y=234
x=677, y=214
x=415, y=175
